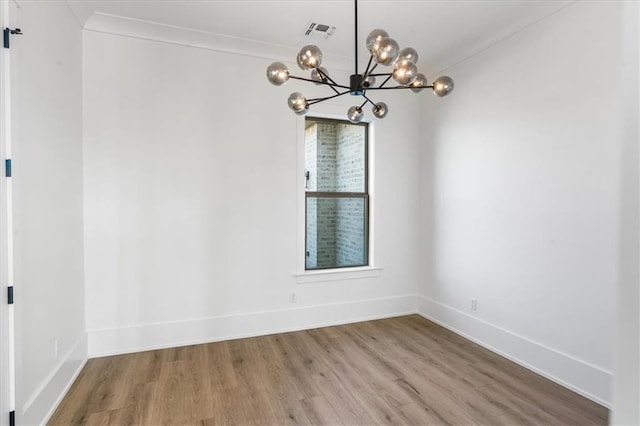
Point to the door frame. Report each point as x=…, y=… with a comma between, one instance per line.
x=7, y=353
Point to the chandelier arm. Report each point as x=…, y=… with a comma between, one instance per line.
x=367, y=71
x=333, y=83
x=398, y=87
x=319, y=82
x=326, y=98
x=370, y=73
x=334, y=89
x=384, y=82
x=367, y=100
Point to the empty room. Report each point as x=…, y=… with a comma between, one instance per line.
x=319, y=212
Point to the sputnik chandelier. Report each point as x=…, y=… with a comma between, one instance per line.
x=384, y=52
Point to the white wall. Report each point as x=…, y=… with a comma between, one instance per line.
x=192, y=195
x=47, y=179
x=522, y=192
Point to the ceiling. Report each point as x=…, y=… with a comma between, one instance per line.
x=443, y=32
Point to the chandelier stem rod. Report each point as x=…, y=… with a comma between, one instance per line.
x=356, y=35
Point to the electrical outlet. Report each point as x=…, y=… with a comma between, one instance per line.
x=56, y=343
x=474, y=304
x=294, y=298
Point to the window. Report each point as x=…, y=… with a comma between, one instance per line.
x=336, y=194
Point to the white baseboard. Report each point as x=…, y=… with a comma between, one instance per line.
x=40, y=406
x=588, y=380
x=581, y=377
x=171, y=334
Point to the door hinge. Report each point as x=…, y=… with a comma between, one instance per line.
x=12, y=418
x=7, y=35
x=10, y=295
x=7, y=167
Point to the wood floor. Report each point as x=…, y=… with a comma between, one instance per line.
x=404, y=370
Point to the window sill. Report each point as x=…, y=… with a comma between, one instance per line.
x=337, y=274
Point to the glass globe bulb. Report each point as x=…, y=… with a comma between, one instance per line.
x=319, y=76
x=310, y=56
x=370, y=81
x=442, y=86
x=277, y=73
x=385, y=51
x=404, y=72
x=380, y=110
x=374, y=37
x=409, y=54
x=298, y=103
x=355, y=114
x=418, y=83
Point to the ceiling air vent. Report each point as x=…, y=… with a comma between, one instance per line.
x=315, y=30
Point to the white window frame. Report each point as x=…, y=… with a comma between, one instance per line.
x=343, y=273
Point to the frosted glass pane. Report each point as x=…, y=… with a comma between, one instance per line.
x=335, y=157
x=336, y=232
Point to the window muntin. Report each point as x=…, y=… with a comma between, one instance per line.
x=336, y=194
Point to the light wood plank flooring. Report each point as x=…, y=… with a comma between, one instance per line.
x=404, y=370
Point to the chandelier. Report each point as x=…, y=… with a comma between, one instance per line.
x=384, y=52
